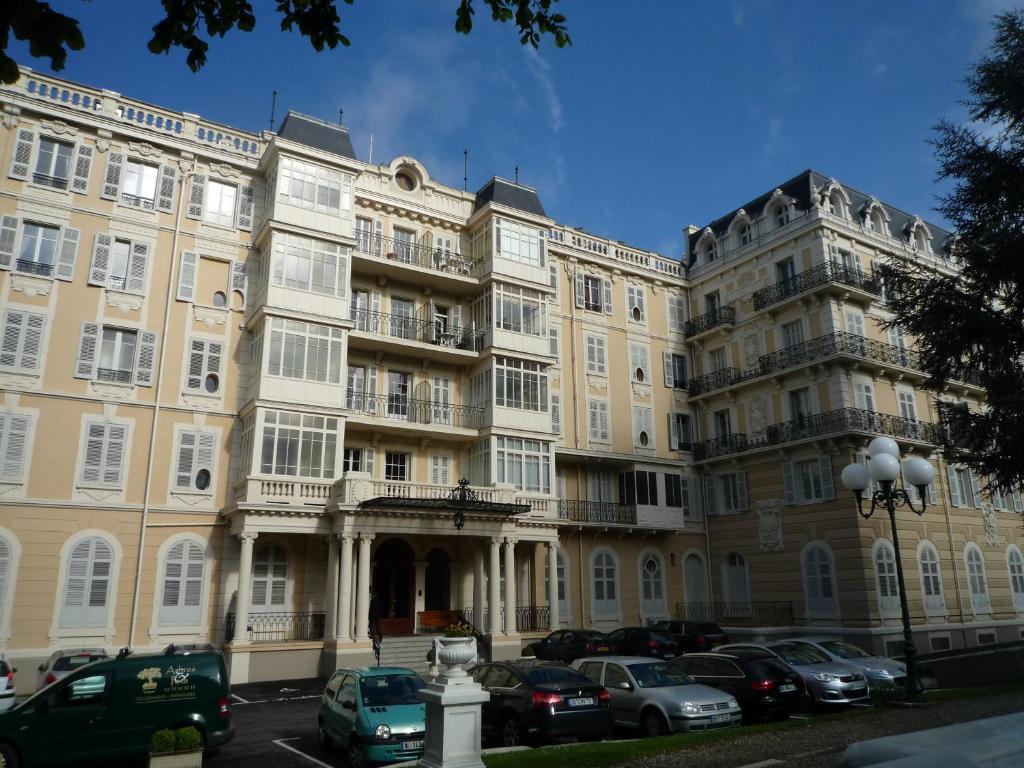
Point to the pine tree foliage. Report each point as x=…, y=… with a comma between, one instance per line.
x=968, y=322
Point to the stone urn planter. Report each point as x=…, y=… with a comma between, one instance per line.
x=453, y=652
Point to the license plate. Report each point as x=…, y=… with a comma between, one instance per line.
x=787, y=688
x=859, y=687
x=587, y=702
x=602, y=649
x=720, y=718
x=406, y=745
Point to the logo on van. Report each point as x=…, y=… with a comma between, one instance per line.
x=179, y=675
x=149, y=675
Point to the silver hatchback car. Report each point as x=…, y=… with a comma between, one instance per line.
x=828, y=682
x=879, y=670
x=658, y=697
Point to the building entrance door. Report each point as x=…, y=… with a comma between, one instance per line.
x=437, y=590
x=393, y=583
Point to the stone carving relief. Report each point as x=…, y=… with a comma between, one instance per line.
x=143, y=149
x=58, y=127
x=758, y=416
x=988, y=517
x=769, y=524
x=225, y=171
x=751, y=348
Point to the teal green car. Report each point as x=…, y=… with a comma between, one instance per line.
x=374, y=714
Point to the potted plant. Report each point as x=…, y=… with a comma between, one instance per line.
x=457, y=647
x=179, y=748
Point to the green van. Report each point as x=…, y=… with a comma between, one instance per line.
x=111, y=708
x=374, y=714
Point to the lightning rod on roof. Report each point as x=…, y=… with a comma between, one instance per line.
x=517, y=173
x=465, y=170
x=273, y=106
x=370, y=161
x=341, y=115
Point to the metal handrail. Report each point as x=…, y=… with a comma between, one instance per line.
x=407, y=409
x=707, y=321
x=146, y=203
x=50, y=181
x=412, y=329
x=826, y=272
x=116, y=375
x=429, y=257
x=34, y=267
x=533, y=618
x=599, y=512
x=278, y=626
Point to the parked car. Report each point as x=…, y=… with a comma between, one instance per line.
x=7, y=692
x=659, y=698
x=62, y=663
x=567, y=645
x=693, y=636
x=828, y=682
x=111, y=708
x=374, y=714
x=644, y=641
x=765, y=687
x=877, y=669
x=534, y=700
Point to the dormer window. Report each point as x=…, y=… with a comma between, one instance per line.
x=710, y=251
x=405, y=181
x=745, y=234
x=781, y=215
x=920, y=239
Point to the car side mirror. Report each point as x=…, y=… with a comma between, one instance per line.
x=348, y=705
x=41, y=667
x=625, y=686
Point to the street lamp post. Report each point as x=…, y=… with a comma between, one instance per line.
x=884, y=468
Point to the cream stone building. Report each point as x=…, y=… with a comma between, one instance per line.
x=249, y=380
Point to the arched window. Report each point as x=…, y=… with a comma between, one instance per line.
x=606, y=582
x=885, y=578
x=737, y=585
x=183, y=578
x=976, y=578
x=86, y=600
x=931, y=578
x=710, y=250
x=744, y=233
x=921, y=239
x=835, y=204
x=695, y=587
x=1015, y=567
x=652, y=586
x=269, y=579
x=819, y=581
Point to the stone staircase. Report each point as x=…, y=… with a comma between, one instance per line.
x=408, y=652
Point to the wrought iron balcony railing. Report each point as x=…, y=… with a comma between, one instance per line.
x=745, y=614
x=402, y=251
x=835, y=422
x=401, y=408
x=115, y=375
x=827, y=272
x=533, y=618
x=709, y=320
x=435, y=332
x=145, y=203
x=596, y=512
x=35, y=267
x=56, y=182
x=289, y=625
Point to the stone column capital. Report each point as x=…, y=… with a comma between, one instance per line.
x=552, y=545
x=511, y=541
x=249, y=536
x=367, y=537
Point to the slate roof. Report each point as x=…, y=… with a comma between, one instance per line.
x=317, y=134
x=509, y=194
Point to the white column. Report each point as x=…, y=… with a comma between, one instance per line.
x=510, y=586
x=554, y=618
x=363, y=590
x=244, y=587
x=345, y=603
x=494, y=596
x=478, y=588
x=331, y=591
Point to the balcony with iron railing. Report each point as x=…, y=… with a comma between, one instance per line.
x=40, y=268
x=285, y=626
x=440, y=335
x=596, y=512
x=738, y=614
x=114, y=375
x=824, y=274
x=831, y=423
x=404, y=412
x=55, y=182
x=716, y=318
x=401, y=253
x=143, y=203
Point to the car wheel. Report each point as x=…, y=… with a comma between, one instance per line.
x=354, y=755
x=8, y=757
x=322, y=737
x=653, y=724
x=511, y=732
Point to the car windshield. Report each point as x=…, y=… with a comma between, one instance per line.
x=67, y=663
x=658, y=637
x=659, y=675
x=799, y=654
x=390, y=690
x=594, y=637
x=844, y=650
x=542, y=675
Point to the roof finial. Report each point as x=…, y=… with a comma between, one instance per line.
x=341, y=114
x=517, y=173
x=465, y=170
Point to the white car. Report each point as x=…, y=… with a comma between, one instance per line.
x=877, y=669
x=62, y=663
x=7, y=692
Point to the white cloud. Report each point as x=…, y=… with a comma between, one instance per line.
x=541, y=70
x=739, y=15
x=773, y=136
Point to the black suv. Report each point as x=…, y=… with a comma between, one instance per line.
x=643, y=641
x=570, y=644
x=533, y=700
x=694, y=635
x=765, y=686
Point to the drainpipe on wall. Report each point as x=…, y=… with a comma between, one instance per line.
x=156, y=411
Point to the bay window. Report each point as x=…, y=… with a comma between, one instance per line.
x=296, y=444
x=518, y=242
x=524, y=464
x=521, y=384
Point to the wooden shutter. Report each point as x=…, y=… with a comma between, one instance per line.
x=22, y=159
x=240, y=278
x=187, y=274
x=88, y=351
x=828, y=489
x=101, y=252
x=112, y=177
x=14, y=430
x=593, y=419
x=10, y=344
x=113, y=460
x=246, y=207
x=607, y=291
x=602, y=411
x=196, y=197
x=666, y=362
x=183, y=585
x=138, y=266
x=553, y=340
x=368, y=457
x=196, y=364
x=87, y=586
x=580, y=291
x=165, y=188
x=8, y=240
x=955, y=497
x=66, y=253
x=788, y=483
x=673, y=432
x=710, y=502
x=145, y=359
x=371, y=389
x=5, y=569
x=83, y=165
x=556, y=413
x=975, y=489
x=186, y=456
x=32, y=341
x=73, y=607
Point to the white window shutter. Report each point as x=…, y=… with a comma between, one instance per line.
x=788, y=483
x=32, y=341
x=66, y=253
x=145, y=359
x=113, y=461
x=165, y=188
x=673, y=432
x=553, y=340
x=214, y=358
x=10, y=342
x=580, y=289
x=101, y=251
x=138, y=266
x=92, y=462
x=196, y=364
x=828, y=489
x=975, y=489
x=112, y=177
x=22, y=154
x=556, y=413
x=196, y=196
x=83, y=165
x=246, y=207
x=603, y=420
x=645, y=362
x=710, y=503
x=240, y=278
x=88, y=351
x=368, y=457
x=955, y=497
x=371, y=389
x=73, y=606
x=187, y=273
x=607, y=290
x=186, y=459
x=666, y=362
x=741, y=490
x=593, y=419
x=14, y=429
x=5, y=569
x=8, y=240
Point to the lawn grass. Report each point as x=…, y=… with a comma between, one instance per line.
x=609, y=753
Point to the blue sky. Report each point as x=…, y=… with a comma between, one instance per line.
x=672, y=114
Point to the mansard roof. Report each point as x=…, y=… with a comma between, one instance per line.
x=509, y=194
x=316, y=133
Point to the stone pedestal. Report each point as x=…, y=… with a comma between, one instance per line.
x=453, y=700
